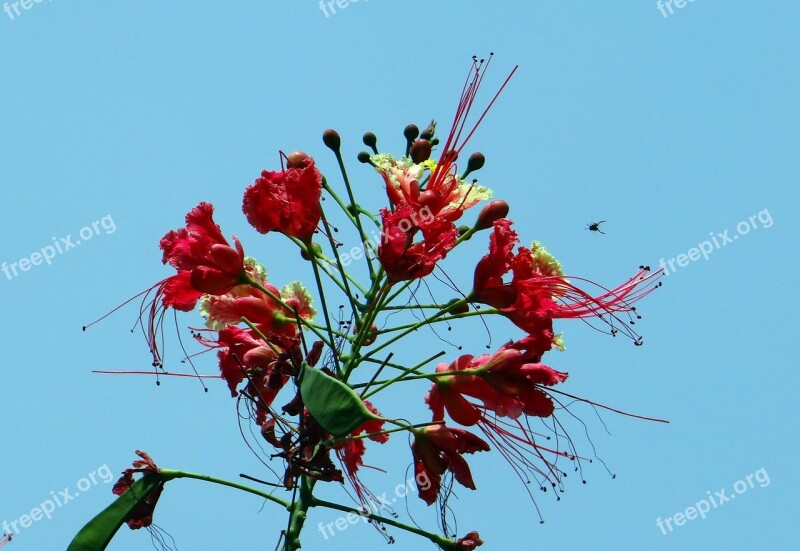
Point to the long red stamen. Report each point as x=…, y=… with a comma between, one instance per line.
x=160, y=374
x=575, y=303
x=454, y=144
x=155, y=317
x=655, y=419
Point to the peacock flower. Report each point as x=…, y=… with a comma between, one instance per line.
x=437, y=449
x=401, y=257
x=447, y=200
x=287, y=201
x=539, y=292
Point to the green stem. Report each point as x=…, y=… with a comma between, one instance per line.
x=443, y=543
x=440, y=320
x=299, y=513
x=170, y=474
x=340, y=267
x=335, y=332
x=338, y=200
x=318, y=280
x=453, y=306
x=401, y=427
x=415, y=306
x=404, y=369
x=373, y=309
x=399, y=290
x=326, y=267
x=354, y=209
x=354, y=218
x=430, y=376
x=369, y=215
x=385, y=384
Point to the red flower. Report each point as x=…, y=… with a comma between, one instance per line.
x=429, y=206
x=202, y=250
x=242, y=352
x=447, y=197
x=287, y=201
x=488, y=286
x=539, y=291
x=400, y=256
x=506, y=382
x=471, y=541
x=437, y=449
x=259, y=307
x=142, y=516
x=506, y=385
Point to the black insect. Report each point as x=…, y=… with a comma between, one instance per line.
x=595, y=226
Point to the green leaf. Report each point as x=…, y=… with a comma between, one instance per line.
x=336, y=406
x=98, y=533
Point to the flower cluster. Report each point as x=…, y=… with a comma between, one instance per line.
x=270, y=342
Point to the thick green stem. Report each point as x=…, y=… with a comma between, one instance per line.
x=299, y=513
x=299, y=508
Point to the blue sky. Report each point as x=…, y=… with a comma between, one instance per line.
x=675, y=129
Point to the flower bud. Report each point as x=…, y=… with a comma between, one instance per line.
x=421, y=151
x=450, y=156
x=364, y=157
x=372, y=335
x=476, y=162
x=428, y=133
x=428, y=198
x=371, y=141
x=463, y=309
x=492, y=212
x=411, y=132
x=332, y=139
x=297, y=159
x=315, y=247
